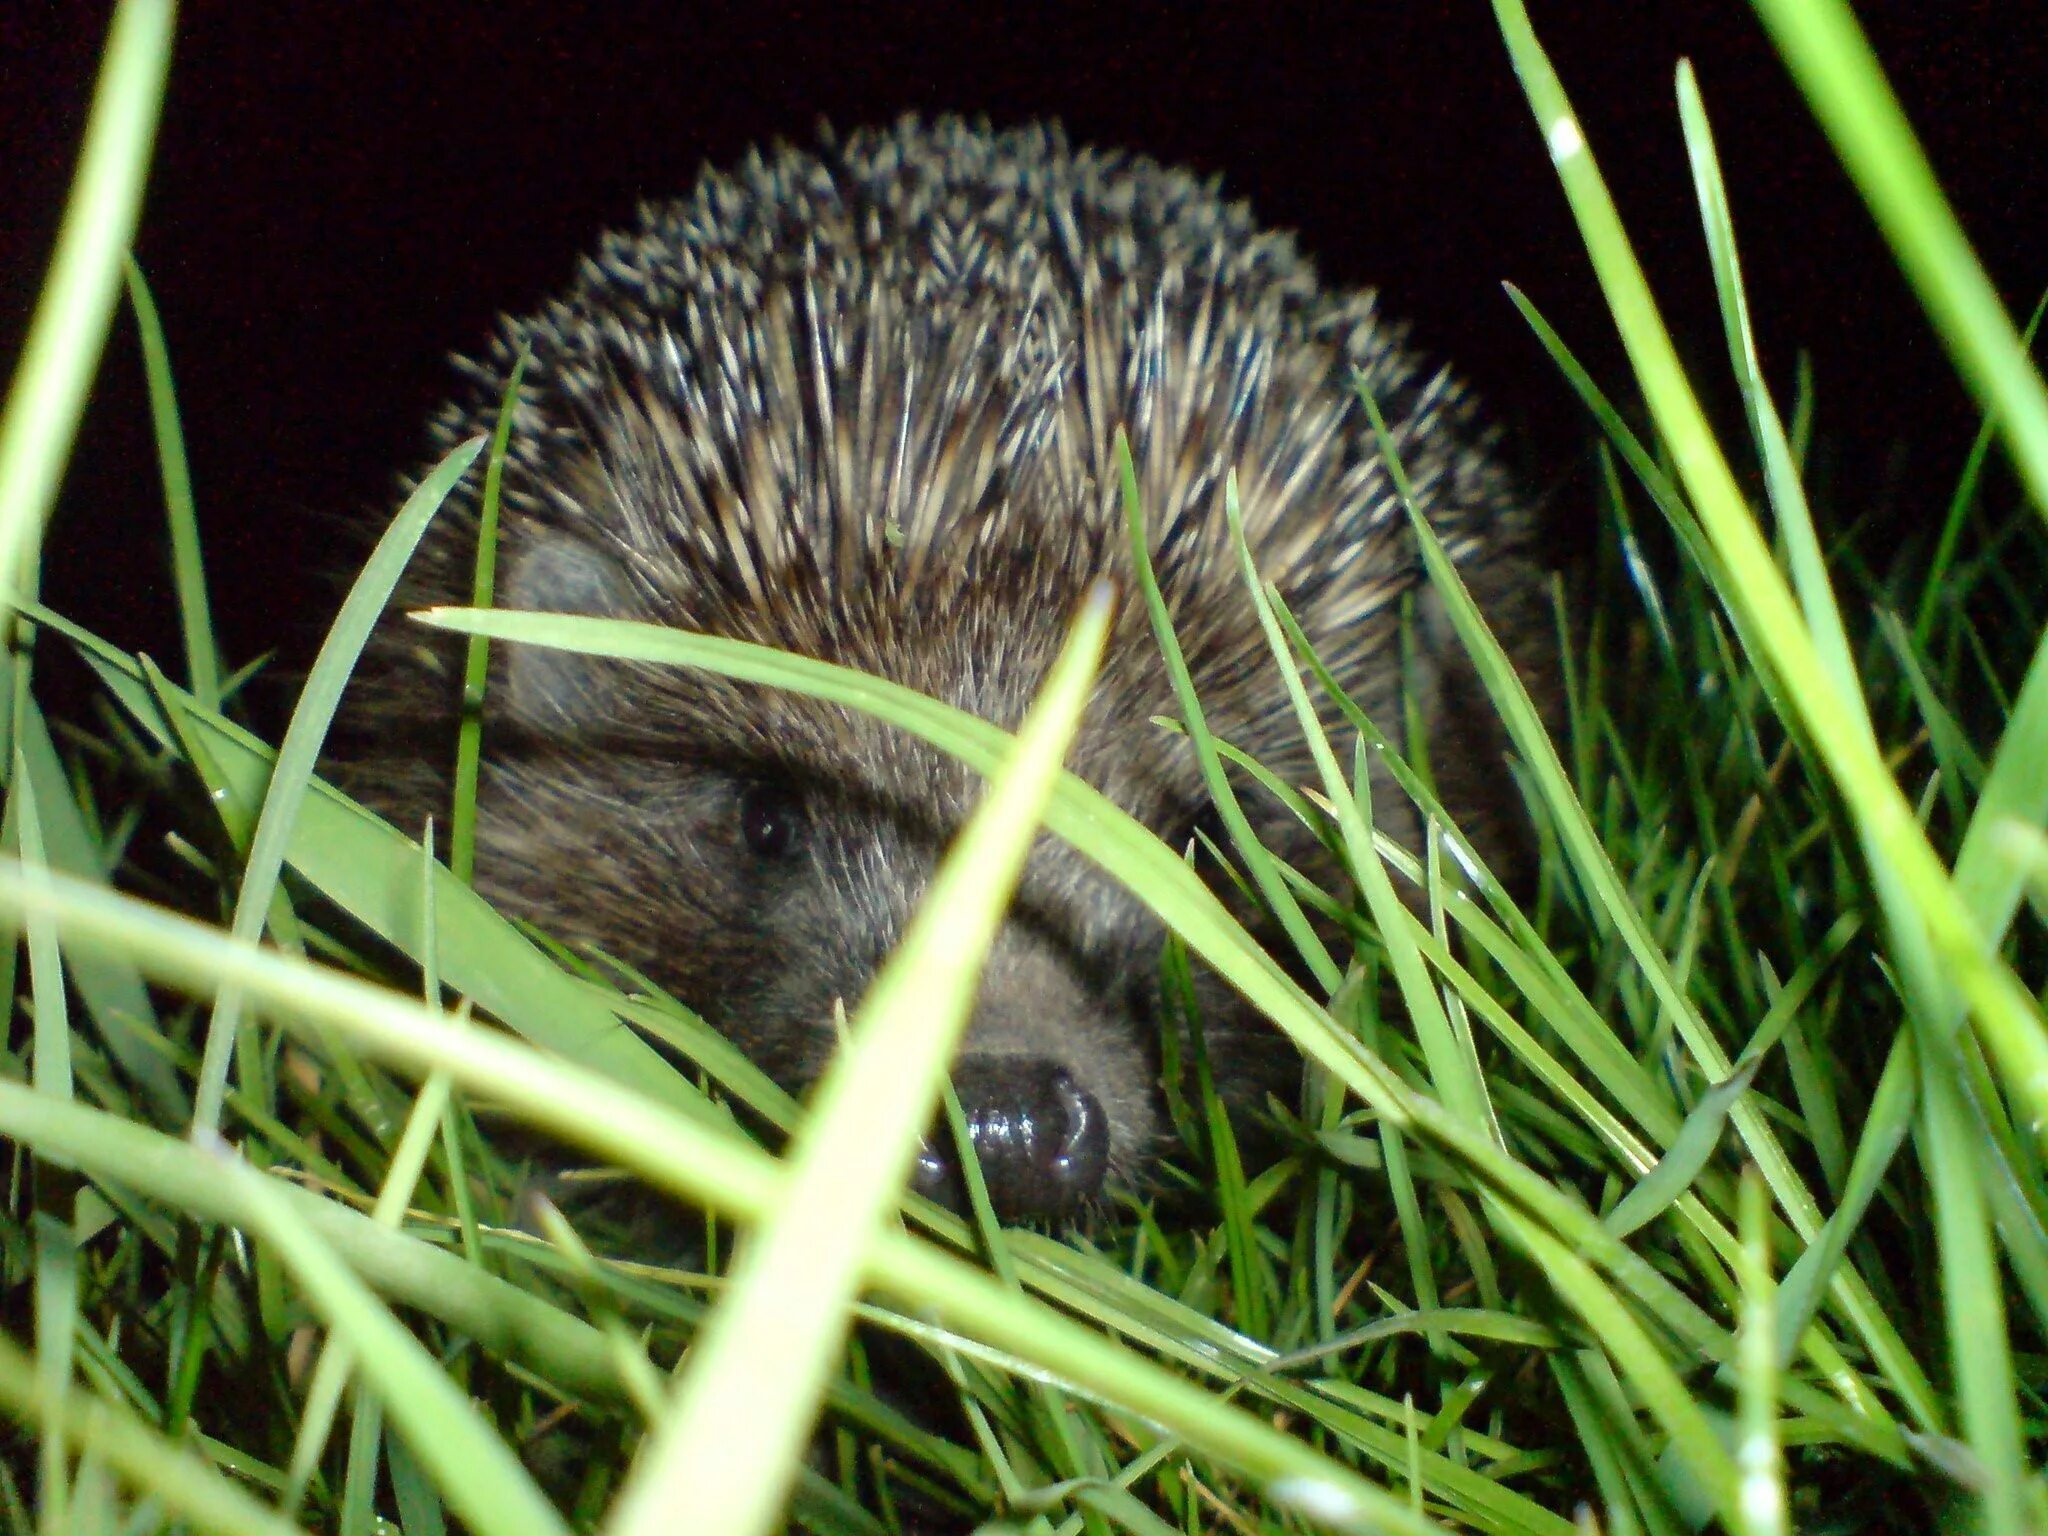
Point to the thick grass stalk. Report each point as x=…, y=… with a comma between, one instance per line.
x=729, y=1446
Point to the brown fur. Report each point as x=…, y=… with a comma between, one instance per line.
x=858, y=402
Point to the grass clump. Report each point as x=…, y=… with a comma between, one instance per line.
x=1706, y=1189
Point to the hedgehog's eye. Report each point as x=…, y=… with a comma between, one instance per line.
x=771, y=820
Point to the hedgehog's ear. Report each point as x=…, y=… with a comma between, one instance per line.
x=558, y=692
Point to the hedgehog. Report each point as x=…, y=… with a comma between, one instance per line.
x=859, y=402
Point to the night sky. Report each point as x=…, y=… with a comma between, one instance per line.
x=344, y=194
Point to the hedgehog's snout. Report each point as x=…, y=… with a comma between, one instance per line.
x=1040, y=1139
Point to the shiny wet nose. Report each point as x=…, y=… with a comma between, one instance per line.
x=1041, y=1139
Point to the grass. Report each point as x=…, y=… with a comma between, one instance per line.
x=1707, y=1190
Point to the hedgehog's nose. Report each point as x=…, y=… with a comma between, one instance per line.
x=1041, y=1139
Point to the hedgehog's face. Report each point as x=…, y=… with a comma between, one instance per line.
x=760, y=855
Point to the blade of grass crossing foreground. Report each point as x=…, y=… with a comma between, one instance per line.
x=300, y=750
x=170, y=1171
x=1962, y=501
x=359, y=1480
x=756, y=1371
x=701, y=1166
x=1989, y=885
x=76, y=306
x=51, y=1063
x=2015, y=791
x=56, y=1314
x=56, y=1252
x=1632, y=1347
x=1107, y=835
x=370, y=870
x=1452, y=1070
x=2006, y=1015
x=1584, y=847
x=113, y=994
x=1758, y=1457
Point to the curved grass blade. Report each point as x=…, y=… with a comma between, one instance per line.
x=300, y=750
x=1937, y=942
x=1660, y=1188
x=112, y=992
x=371, y=871
x=1108, y=836
x=476, y=664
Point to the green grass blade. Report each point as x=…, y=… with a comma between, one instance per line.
x=178, y=1476
x=394, y=1197
x=1845, y=86
x=300, y=750
x=475, y=1470
x=1635, y=1353
x=1884, y=1131
x=1675, y=1172
x=1258, y=863
x=476, y=663
x=372, y=872
x=1764, y=1505
x=1935, y=588
x=112, y=992
x=51, y=1040
x=2015, y=791
x=1932, y=931
x=188, y=568
x=69, y=328
x=1108, y=836
x=56, y=1315
x=1781, y=472
x=500, y=1317
x=419, y=1504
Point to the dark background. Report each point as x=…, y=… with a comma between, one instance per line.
x=343, y=194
